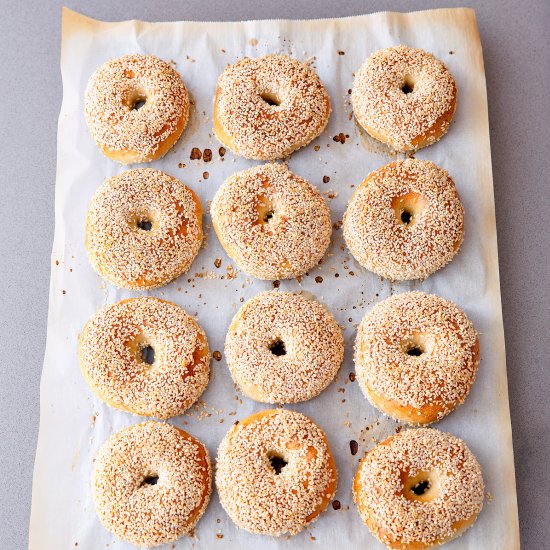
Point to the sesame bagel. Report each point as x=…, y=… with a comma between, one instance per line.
x=143, y=229
x=283, y=347
x=404, y=97
x=416, y=357
x=151, y=483
x=419, y=489
x=266, y=108
x=271, y=222
x=136, y=108
x=145, y=356
x=405, y=221
x=275, y=472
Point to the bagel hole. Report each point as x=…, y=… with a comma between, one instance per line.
x=277, y=348
x=268, y=216
x=415, y=351
x=417, y=344
x=271, y=98
x=408, y=86
x=138, y=104
x=277, y=462
x=148, y=355
x=150, y=480
x=145, y=225
x=408, y=208
x=406, y=217
x=421, y=487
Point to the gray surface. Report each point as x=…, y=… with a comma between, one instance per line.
x=517, y=63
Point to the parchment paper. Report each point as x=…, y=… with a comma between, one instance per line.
x=74, y=423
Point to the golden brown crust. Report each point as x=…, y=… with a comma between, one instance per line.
x=405, y=120
x=255, y=497
x=124, y=133
x=416, y=357
x=418, y=489
x=405, y=221
x=247, y=121
x=151, y=483
x=309, y=347
x=273, y=223
x=118, y=246
x=110, y=353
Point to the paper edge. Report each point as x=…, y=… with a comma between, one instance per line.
x=510, y=476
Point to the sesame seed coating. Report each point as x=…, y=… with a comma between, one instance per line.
x=271, y=222
x=111, y=357
x=122, y=131
x=311, y=354
x=416, y=356
x=267, y=107
x=143, y=229
x=419, y=489
x=404, y=97
x=251, y=492
x=129, y=499
x=405, y=220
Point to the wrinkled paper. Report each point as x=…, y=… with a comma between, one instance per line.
x=74, y=423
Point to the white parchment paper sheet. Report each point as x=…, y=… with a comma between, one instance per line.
x=74, y=423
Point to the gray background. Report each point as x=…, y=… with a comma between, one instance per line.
x=517, y=64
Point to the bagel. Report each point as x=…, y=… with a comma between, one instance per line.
x=267, y=107
x=145, y=356
x=419, y=489
x=151, y=483
x=136, y=107
x=143, y=229
x=405, y=221
x=275, y=472
x=416, y=357
x=283, y=348
x=271, y=222
x=404, y=97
